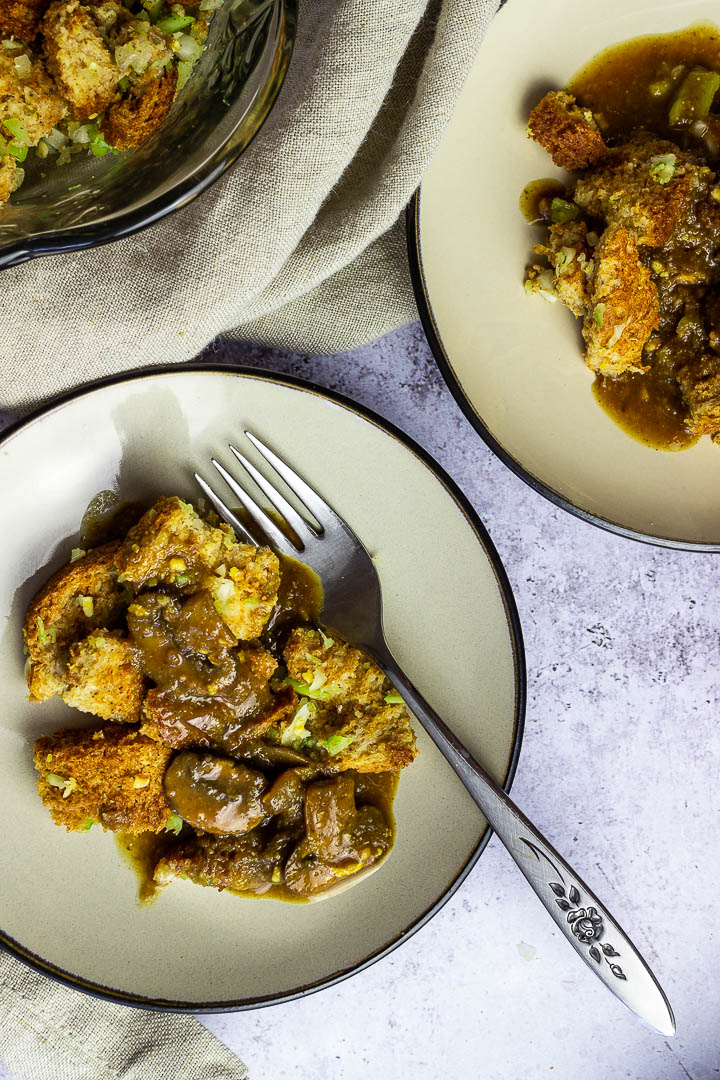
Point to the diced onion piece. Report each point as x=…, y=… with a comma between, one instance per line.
x=56, y=139
x=23, y=66
x=618, y=333
x=188, y=48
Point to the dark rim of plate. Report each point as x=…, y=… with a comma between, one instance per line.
x=455, y=386
x=175, y=198
x=520, y=679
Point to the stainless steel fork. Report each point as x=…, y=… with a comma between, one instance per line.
x=353, y=610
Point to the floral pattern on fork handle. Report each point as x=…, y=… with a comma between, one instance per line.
x=585, y=922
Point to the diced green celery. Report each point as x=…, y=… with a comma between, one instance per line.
x=663, y=168
x=184, y=70
x=336, y=743
x=561, y=210
x=174, y=824
x=694, y=97
x=173, y=23
x=17, y=130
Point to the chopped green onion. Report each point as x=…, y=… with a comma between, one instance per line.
x=599, y=314
x=124, y=84
x=694, y=97
x=181, y=579
x=561, y=210
x=393, y=698
x=74, y=187
x=174, y=824
x=88, y=824
x=663, y=168
x=88, y=606
x=327, y=641
x=172, y=23
x=18, y=151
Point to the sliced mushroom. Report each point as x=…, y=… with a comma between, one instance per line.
x=340, y=839
x=214, y=794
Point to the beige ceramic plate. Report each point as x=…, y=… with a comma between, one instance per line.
x=514, y=361
x=68, y=904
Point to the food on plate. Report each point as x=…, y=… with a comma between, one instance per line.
x=97, y=76
x=240, y=745
x=632, y=242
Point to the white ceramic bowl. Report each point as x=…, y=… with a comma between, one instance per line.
x=68, y=903
x=514, y=362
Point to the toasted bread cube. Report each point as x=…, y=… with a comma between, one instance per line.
x=131, y=121
x=30, y=99
x=246, y=595
x=623, y=309
x=84, y=595
x=78, y=58
x=377, y=738
x=568, y=133
x=345, y=709
x=646, y=185
x=105, y=678
x=21, y=18
x=111, y=774
x=569, y=254
x=171, y=542
x=336, y=669
x=142, y=51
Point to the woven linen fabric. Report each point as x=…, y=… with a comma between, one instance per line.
x=300, y=245
x=50, y=1032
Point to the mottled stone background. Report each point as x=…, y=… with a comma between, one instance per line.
x=619, y=767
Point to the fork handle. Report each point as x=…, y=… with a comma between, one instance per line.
x=581, y=917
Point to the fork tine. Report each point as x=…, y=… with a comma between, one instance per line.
x=317, y=506
x=275, y=535
x=294, y=520
x=225, y=512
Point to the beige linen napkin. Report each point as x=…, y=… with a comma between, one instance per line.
x=51, y=1033
x=301, y=245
